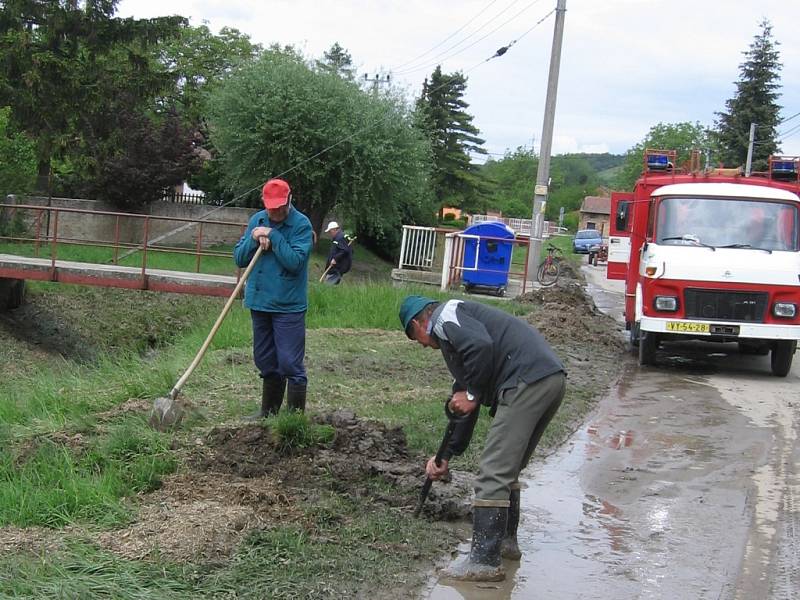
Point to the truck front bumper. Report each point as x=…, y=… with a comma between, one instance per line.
x=716, y=329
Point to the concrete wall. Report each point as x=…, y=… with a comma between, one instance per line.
x=84, y=227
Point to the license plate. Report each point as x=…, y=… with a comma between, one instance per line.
x=685, y=327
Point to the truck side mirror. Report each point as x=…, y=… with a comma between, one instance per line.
x=622, y=216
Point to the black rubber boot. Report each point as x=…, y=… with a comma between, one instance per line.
x=296, y=397
x=483, y=563
x=272, y=390
x=510, y=547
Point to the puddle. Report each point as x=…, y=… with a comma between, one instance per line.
x=645, y=501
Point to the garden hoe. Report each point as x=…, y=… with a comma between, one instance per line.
x=167, y=411
x=325, y=272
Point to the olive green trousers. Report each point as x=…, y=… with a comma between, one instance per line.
x=523, y=414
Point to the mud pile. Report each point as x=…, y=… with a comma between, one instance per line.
x=360, y=452
x=565, y=314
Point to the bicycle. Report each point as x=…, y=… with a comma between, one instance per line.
x=549, y=269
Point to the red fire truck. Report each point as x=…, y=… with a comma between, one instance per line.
x=711, y=255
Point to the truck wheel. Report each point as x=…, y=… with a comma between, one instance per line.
x=648, y=343
x=781, y=357
x=594, y=260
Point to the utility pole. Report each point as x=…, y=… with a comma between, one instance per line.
x=376, y=81
x=748, y=167
x=540, y=191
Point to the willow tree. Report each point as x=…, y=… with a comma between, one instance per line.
x=336, y=145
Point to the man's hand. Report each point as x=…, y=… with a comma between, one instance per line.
x=333, y=261
x=260, y=235
x=436, y=472
x=460, y=405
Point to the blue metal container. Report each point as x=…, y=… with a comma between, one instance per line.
x=493, y=256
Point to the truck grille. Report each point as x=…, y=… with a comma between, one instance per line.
x=725, y=305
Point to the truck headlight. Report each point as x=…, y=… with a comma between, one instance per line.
x=786, y=310
x=666, y=303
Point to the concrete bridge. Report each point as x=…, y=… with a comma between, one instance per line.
x=42, y=230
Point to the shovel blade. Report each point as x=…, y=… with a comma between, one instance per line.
x=167, y=413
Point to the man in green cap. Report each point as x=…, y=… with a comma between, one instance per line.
x=503, y=363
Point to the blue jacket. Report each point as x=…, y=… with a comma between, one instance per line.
x=279, y=281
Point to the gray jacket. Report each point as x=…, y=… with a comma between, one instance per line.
x=488, y=351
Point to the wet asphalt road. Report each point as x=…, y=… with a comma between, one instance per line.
x=684, y=483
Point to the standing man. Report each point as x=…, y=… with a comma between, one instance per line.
x=277, y=295
x=340, y=256
x=503, y=363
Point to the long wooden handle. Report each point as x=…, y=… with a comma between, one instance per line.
x=325, y=272
x=321, y=277
x=176, y=390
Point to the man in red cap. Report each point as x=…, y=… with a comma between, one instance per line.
x=277, y=295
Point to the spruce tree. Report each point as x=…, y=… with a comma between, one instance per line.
x=337, y=61
x=442, y=114
x=755, y=101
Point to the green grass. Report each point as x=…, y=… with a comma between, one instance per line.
x=294, y=431
x=332, y=558
x=64, y=463
x=80, y=570
x=52, y=484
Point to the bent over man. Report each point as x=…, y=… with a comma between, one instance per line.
x=503, y=363
x=277, y=295
x=340, y=256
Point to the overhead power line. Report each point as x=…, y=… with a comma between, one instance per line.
x=449, y=37
x=788, y=133
x=465, y=48
x=409, y=66
x=505, y=49
x=797, y=114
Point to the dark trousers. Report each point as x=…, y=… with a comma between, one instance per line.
x=279, y=345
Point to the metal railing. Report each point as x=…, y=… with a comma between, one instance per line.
x=521, y=227
x=418, y=247
x=181, y=198
x=50, y=227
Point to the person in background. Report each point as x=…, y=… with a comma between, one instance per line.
x=503, y=363
x=277, y=295
x=340, y=256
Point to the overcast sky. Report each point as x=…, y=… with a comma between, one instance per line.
x=626, y=64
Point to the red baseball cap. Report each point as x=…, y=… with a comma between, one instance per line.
x=275, y=193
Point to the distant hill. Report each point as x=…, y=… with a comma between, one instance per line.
x=609, y=175
x=599, y=162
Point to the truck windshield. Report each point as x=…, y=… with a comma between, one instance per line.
x=727, y=222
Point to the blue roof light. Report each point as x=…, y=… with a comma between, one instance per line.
x=658, y=162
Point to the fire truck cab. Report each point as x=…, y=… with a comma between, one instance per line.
x=710, y=255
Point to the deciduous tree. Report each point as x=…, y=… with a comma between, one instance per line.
x=336, y=145
x=17, y=159
x=681, y=137
x=61, y=60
